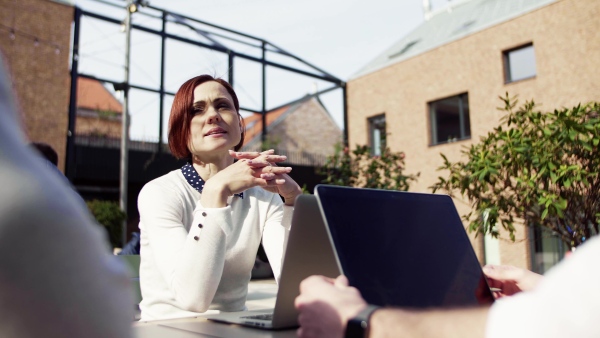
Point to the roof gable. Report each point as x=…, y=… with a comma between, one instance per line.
x=457, y=20
x=275, y=117
x=92, y=95
x=253, y=123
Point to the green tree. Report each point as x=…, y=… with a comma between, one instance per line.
x=361, y=169
x=108, y=214
x=537, y=168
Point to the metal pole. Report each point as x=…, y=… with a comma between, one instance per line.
x=263, y=136
x=70, y=164
x=125, y=125
x=163, y=39
x=345, y=108
x=230, y=68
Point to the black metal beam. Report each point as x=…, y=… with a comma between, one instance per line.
x=70, y=164
x=163, y=39
x=326, y=77
x=208, y=24
x=264, y=42
x=230, y=67
x=264, y=45
x=321, y=92
x=345, y=105
x=263, y=135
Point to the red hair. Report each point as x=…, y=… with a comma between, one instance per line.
x=181, y=115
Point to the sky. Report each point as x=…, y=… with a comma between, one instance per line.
x=338, y=36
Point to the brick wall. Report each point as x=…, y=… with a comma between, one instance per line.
x=309, y=129
x=93, y=123
x=39, y=71
x=566, y=38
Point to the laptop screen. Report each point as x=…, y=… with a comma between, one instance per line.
x=403, y=249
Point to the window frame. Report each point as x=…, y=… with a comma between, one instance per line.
x=433, y=127
x=506, y=63
x=547, y=249
x=373, y=123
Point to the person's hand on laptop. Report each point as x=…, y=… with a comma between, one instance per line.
x=326, y=305
x=510, y=279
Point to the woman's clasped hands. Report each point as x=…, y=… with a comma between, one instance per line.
x=268, y=175
x=252, y=169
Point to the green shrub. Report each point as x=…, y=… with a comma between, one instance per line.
x=359, y=168
x=110, y=215
x=539, y=168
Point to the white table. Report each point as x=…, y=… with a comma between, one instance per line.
x=261, y=295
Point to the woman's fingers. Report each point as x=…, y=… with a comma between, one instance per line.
x=244, y=154
x=268, y=156
x=262, y=167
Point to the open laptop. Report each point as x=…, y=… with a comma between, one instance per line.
x=403, y=249
x=309, y=252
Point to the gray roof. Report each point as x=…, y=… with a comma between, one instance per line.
x=66, y=2
x=454, y=21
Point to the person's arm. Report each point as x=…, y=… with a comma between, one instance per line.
x=566, y=303
x=457, y=323
x=191, y=262
x=326, y=305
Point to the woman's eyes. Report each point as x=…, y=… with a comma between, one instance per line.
x=218, y=106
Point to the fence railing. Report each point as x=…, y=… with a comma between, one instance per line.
x=293, y=157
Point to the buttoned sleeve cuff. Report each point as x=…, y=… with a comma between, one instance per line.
x=211, y=217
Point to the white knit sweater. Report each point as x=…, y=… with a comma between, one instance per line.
x=196, y=259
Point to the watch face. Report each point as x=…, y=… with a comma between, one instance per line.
x=356, y=328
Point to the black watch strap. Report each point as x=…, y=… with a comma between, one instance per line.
x=358, y=326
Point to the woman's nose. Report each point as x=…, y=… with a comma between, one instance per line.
x=212, y=115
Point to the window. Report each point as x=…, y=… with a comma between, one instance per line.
x=548, y=249
x=449, y=119
x=519, y=63
x=377, y=134
x=404, y=49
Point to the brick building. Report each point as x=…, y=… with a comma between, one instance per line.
x=35, y=42
x=437, y=88
x=98, y=111
x=304, y=131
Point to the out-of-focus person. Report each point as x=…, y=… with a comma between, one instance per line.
x=57, y=275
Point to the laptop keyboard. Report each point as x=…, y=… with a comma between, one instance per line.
x=266, y=316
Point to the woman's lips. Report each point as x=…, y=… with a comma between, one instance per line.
x=215, y=131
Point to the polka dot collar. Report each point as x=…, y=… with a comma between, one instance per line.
x=191, y=175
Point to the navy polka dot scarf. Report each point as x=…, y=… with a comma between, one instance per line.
x=191, y=175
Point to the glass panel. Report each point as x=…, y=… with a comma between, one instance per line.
x=448, y=119
x=549, y=249
x=377, y=133
x=376, y=142
x=521, y=63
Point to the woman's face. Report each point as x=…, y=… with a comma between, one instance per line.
x=215, y=127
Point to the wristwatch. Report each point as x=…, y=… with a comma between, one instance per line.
x=358, y=327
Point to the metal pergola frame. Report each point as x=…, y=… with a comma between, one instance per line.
x=220, y=33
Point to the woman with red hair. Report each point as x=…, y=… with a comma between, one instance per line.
x=201, y=225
